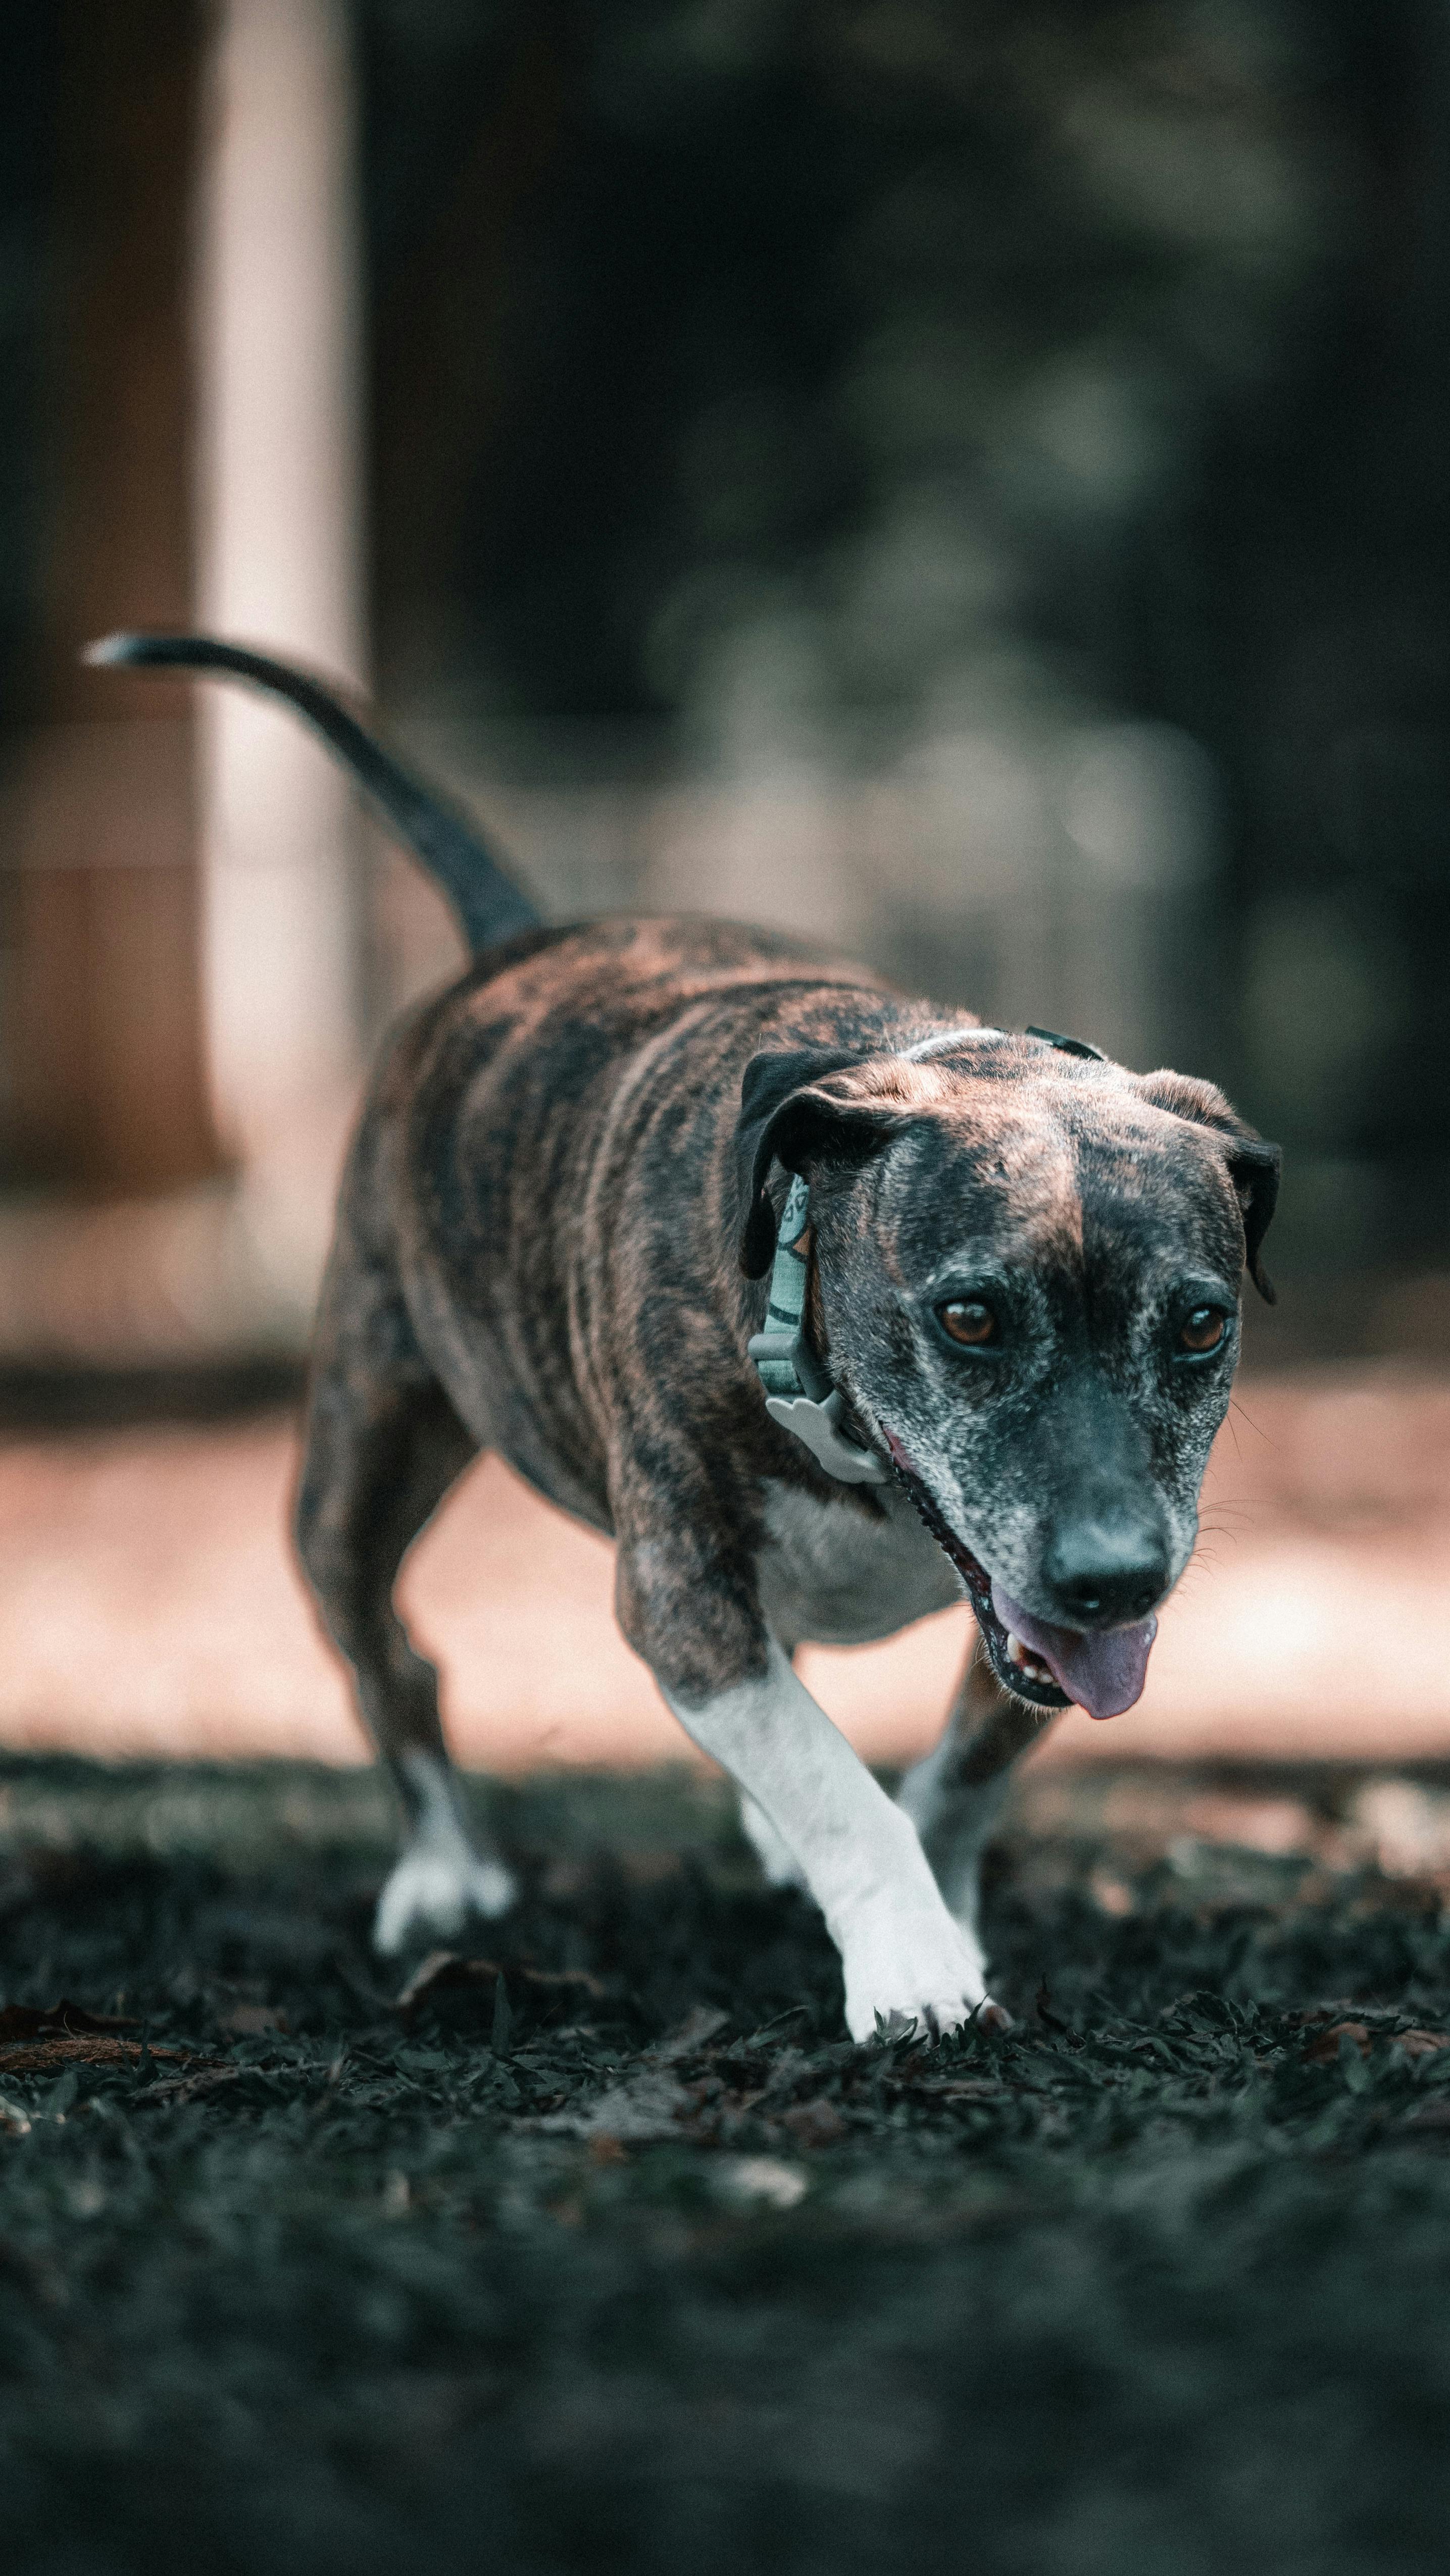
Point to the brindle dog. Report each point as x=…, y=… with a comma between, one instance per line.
x=1022, y=1277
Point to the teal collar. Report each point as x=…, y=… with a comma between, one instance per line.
x=798, y=1390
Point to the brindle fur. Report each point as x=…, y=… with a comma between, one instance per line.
x=537, y=1254
x=554, y=1231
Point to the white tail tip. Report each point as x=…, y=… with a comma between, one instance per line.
x=108, y=648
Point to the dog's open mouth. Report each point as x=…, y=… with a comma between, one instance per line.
x=1048, y=1667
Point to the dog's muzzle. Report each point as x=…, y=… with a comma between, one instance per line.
x=1101, y=1671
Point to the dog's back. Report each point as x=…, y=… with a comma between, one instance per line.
x=543, y=1154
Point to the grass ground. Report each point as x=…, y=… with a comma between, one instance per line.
x=624, y=2259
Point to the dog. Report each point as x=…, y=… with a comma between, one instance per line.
x=827, y=1306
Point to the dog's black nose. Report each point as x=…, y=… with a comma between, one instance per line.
x=1103, y=1577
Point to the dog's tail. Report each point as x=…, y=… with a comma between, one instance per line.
x=483, y=895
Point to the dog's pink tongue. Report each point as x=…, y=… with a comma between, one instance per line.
x=1103, y=1672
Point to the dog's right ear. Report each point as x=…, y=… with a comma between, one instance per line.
x=788, y=1112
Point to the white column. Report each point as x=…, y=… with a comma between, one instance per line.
x=279, y=543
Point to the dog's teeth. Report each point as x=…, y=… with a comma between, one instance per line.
x=1029, y=1665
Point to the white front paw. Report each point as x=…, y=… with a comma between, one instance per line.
x=432, y=1895
x=904, y=1967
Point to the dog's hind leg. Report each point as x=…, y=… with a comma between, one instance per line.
x=383, y=1446
x=956, y=1795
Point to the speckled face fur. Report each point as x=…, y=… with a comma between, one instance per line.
x=1090, y=1224
x=553, y=1240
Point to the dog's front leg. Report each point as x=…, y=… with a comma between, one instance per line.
x=903, y=1957
x=955, y=1796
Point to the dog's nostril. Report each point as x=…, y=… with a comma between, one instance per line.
x=1106, y=1590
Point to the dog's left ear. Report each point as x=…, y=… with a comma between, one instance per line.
x=786, y=1116
x=1253, y=1166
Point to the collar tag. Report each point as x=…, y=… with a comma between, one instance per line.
x=818, y=1427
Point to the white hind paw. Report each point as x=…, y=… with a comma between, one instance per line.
x=432, y=1896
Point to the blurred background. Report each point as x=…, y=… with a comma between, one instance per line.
x=966, y=481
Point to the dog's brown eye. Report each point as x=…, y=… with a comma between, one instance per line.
x=967, y=1320
x=1204, y=1330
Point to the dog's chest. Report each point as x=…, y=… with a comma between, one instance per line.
x=833, y=1576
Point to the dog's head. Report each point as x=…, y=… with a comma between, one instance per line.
x=1029, y=1266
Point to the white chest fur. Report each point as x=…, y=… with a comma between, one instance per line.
x=832, y=1575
